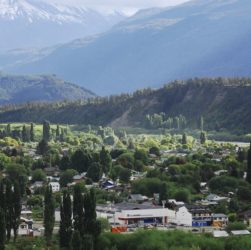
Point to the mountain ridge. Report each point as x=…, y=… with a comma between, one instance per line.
x=195, y=39
x=38, y=88
x=224, y=103
x=36, y=24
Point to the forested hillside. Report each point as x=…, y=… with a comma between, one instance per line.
x=224, y=103
x=20, y=89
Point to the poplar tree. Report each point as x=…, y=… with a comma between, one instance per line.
x=49, y=214
x=105, y=160
x=9, y=213
x=249, y=165
x=65, y=230
x=16, y=209
x=2, y=229
x=78, y=210
x=76, y=241
x=184, y=139
x=46, y=131
x=25, y=136
x=32, y=134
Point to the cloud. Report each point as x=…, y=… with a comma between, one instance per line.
x=128, y=6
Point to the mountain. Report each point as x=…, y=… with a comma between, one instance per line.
x=224, y=104
x=22, y=89
x=40, y=23
x=201, y=38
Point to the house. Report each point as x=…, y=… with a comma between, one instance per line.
x=108, y=184
x=27, y=214
x=52, y=171
x=25, y=227
x=182, y=217
x=137, y=198
x=219, y=220
x=201, y=215
x=216, y=198
x=36, y=185
x=55, y=186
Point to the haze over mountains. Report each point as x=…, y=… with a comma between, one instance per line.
x=201, y=38
x=40, y=23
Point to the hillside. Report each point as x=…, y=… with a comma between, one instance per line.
x=29, y=23
x=22, y=89
x=200, y=38
x=224, y=103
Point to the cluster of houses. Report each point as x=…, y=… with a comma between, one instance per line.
x=125, y=215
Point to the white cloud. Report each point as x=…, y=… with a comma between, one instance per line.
x=128, y=6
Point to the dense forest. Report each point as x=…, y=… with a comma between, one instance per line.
x=21, y=89
x=223, y=103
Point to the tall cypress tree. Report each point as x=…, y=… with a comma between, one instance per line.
x=249, y=165
x=9, y=212
x=32, y=133
x=16, y=209
x=46, y=131
x=78, y=210
x=25, y=136
x=92, y=226
x=76, y=241
x=105, y=160
x=65, y=230
x=2, y=229
x=49, y=214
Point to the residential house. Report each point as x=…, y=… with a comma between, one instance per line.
x=55, y=186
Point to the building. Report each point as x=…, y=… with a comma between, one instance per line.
x=55, y=186
x=201, y=215
x=219, y=220
x=140, y=215
x=25, y=227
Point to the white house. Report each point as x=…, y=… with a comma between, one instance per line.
x=25, y=227
x=182, y=217
x=55, y=186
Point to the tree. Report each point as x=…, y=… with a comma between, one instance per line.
x=65, y=163
x=94, y=171
x=8, y=130
x=88, y=242
x=202, y=123
x=49, y=214
x=76, y=241
x=78, y=210
x=67, y=177
x=16, y=209
x=65, y=230
x=184, y=139
x=2, y=229
x=42, y=147
x=249, y=165
x=124, y=175
x=105, y=160
x=8, y=209
x=81, y=160
x=38, y=175
x=25, y=135
x=203, y=137
x=32, y=133
x=57, y=132
x=163, y=196
x=92, y=226
x=46, y=131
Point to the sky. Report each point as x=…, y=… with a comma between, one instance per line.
x=127, y=6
